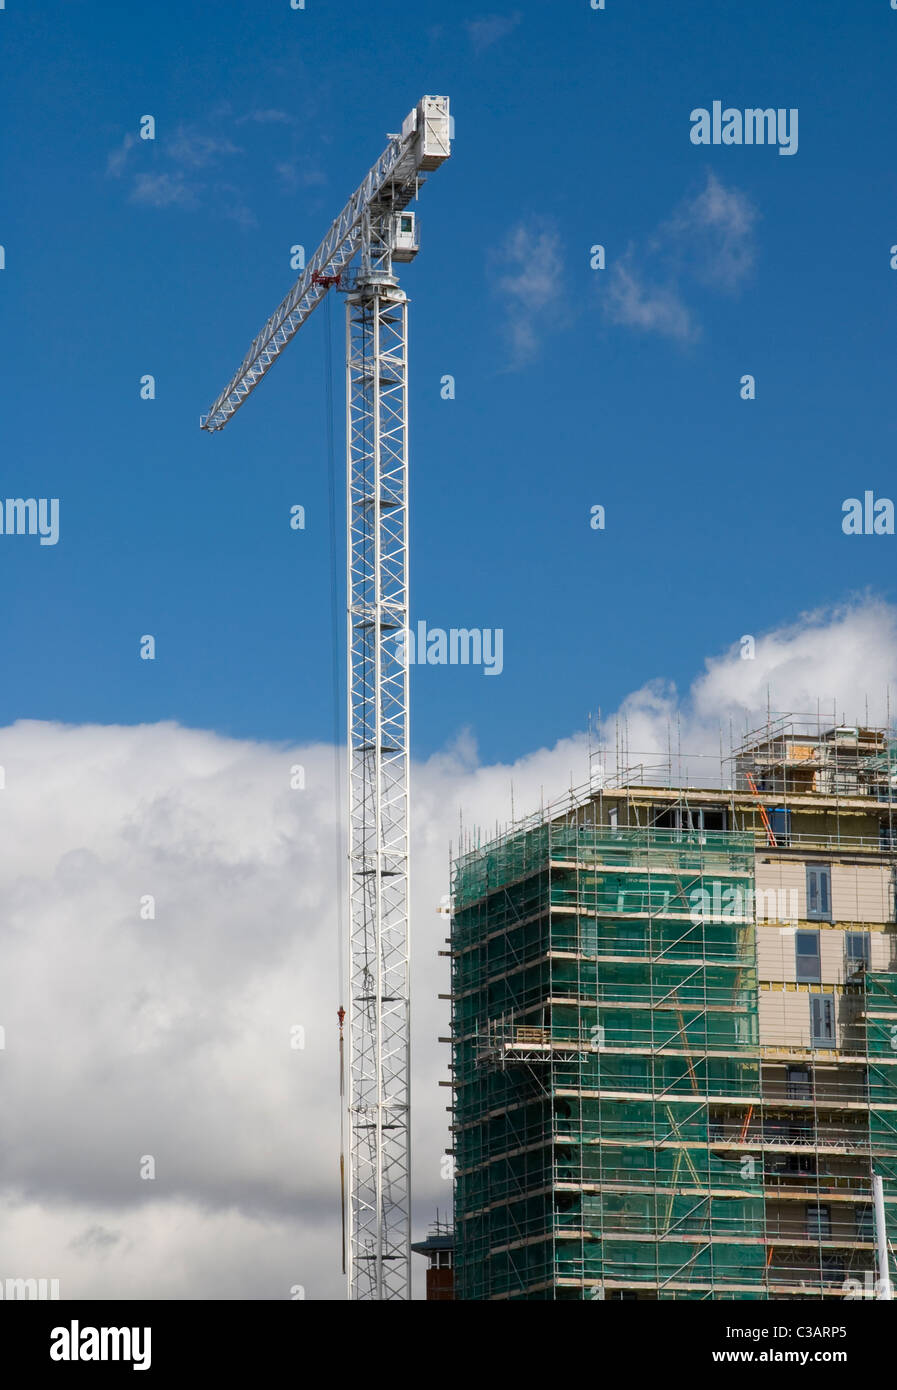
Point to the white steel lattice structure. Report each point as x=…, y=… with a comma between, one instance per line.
x=379, y=1174
x=376, y=224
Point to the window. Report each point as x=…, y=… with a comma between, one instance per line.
x=857, y=951
x=887, y=836
x=407, y=224
x=780, y=820
x=822, y=1020
x=799, y=1083
x=809, y=963
x=865, y=1223
x=819, y=893
x=692, y=818
x=819, y=1222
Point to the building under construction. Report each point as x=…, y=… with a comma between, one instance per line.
x=674, y=1032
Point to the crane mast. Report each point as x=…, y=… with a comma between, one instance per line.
x=375, y=225
x=376, y=424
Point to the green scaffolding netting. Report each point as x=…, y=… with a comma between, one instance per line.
x=606, y=1058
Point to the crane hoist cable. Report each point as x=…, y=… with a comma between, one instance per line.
x=335, y=622
x=341, y=1014
x=337, y=768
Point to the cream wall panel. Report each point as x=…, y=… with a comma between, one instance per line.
x=797, y=1018
x=788, y=880
x=860, y=892
x=772, y=1018
x=831, y=950
x=883, y=950
x=784, y=1018
x=775, y=953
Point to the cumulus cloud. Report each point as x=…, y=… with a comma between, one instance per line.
x=129, y=1036
x=169, y=1037
x=840, y=656
x=837, y=664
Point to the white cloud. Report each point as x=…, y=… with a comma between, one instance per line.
x=490, y=29
x=198, y=148
x=175, y=181
x=531, y=287
x=231, y=201
x=653, y=308
x=709, y=239
x=292, y=176
x=268, y=116
x=840, y=656
x=713, y=234
x=118, y=158
x=170, y=1037
x=163, y=191
x=837, y=663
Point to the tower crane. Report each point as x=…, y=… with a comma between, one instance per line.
x=376, y=226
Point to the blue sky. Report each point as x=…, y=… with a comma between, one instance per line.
x=574, y=387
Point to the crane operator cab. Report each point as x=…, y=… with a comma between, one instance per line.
x=405, y=244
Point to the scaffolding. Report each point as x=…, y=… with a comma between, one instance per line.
x=618, y=1130
x=792, y=755
x=600, y=1010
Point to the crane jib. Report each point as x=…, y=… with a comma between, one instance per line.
x=389, y=186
